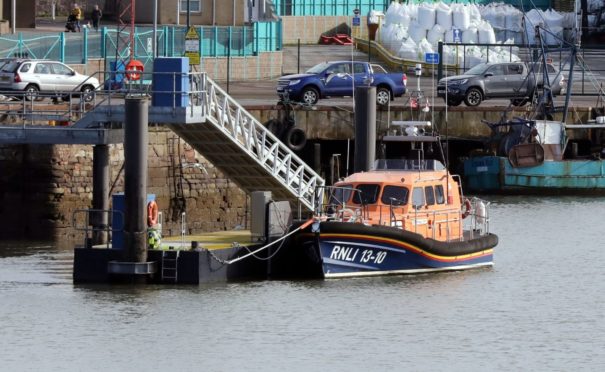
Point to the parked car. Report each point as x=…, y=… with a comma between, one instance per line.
x=513, y=80
x=39, y=78
x=338, y=78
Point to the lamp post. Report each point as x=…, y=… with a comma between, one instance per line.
x=188, y=13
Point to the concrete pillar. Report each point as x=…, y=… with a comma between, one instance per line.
x=135, y=178
x=100, y=194
x=365, y=128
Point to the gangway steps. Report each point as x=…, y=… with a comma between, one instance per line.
x=246, y=152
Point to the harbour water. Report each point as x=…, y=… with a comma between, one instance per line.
x=541, y=307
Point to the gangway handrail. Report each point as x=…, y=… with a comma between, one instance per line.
x=262, y=145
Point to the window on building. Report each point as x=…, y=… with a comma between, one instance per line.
x=195, y=6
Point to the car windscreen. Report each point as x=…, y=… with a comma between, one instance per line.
x=477, y=70
x=318, y=68
x=10, y=66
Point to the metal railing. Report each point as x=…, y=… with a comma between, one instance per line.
x=98, y=215
x=262, y=145
x=78, y=48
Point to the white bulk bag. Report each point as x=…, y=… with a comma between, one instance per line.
x=444, y=16
x=426, y=16
x=514, y=19
x=424, y=47
x=486, y=34
x=386, y=33
x=436, y=34
x=461, y=16
x=410, y=9
x=474, y=13
x=470, y=36
x=399, y=36
x=392, y=13
x=532, y=18
x=408, y=50
x=416, y=32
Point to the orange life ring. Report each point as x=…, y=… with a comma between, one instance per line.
x=152, y=213
x=466, y=208
x=134, y=69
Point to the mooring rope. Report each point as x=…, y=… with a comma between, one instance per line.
x=229, y=262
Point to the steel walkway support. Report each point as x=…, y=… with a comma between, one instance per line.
x=246, y=152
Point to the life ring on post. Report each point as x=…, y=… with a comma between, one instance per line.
x=134, y=69
x=466, y=208
x=152, y=213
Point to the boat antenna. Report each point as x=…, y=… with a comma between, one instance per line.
x=446, y=157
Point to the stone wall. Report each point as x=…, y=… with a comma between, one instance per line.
x=41, y=186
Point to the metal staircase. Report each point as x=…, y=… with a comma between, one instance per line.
x=242, y=148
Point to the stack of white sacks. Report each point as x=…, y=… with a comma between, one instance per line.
x=411, y=30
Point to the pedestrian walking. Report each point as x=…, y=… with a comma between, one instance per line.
x=77, y=13
x=96, y=17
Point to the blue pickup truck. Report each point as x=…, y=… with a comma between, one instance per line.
x=334, y=79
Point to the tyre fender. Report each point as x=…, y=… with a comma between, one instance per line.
x=295, y=138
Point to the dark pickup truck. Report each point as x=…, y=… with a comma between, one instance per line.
x=516, y=81
x=334, y=79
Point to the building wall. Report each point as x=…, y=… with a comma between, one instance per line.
x=223, y=16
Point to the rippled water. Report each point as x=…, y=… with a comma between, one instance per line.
x=540, y=308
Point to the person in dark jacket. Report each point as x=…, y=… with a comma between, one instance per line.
x=96, y=17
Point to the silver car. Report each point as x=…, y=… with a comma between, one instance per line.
x=39, y=78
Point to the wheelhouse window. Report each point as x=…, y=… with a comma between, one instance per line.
x=341, y=194
x=366, y=194
x=439, y=194
x=418, y=197
x=394, y=195
x=430, y=195
x=194, y=6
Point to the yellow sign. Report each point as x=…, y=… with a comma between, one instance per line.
x=192, y=46
x=192, y=33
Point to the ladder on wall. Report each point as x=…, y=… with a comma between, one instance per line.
x=170, y=263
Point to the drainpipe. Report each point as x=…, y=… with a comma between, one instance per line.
x=214, y=12
x=233, y=12
x=14, y=16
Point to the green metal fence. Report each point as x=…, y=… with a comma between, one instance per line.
x=78, y=47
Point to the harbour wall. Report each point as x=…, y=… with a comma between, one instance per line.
x=41, y=186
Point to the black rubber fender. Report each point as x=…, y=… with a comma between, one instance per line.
x=295, y=138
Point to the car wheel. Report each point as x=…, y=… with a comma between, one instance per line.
x=88, y=93
x=383, y=96
x=310, y=95
x=519, y=101
x=454, y=102
x=473, y=97
x=31, y=92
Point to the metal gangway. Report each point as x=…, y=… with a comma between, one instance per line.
x=212, y=122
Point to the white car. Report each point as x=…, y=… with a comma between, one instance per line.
x=38, y=78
